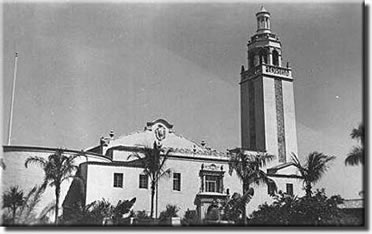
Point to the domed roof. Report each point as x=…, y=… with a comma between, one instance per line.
x=263, y=10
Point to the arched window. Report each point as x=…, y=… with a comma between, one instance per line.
x=275, y=58
x=263, y=57
x=251, y=60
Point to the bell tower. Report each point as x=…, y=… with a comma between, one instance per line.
x=268, y=120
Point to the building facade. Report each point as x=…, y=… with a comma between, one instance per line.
x=199, y=174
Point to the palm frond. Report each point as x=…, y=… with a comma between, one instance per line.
x=46, y=211
x=358, y=133
x=26, y=213
x=314, y=168
x=260, y=177
x=67, y=177
x=27, y=198
x=135, y=156
x=296, y=162
x=262, y=159
x=36, y=160
x=247, y=166
x=167, y=172
x=317, y=165
x=162, y=163
x=355, y=157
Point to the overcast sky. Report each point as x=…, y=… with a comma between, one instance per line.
x=85, y=69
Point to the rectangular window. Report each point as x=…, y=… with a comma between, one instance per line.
x=143, y=181
x=270, y=189
x=290, y=189
x=118, y=180
x=211, y=184
x=177, y=181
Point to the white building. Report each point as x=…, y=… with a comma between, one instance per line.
x=199, y=173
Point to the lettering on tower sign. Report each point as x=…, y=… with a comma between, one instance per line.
x=277, y=71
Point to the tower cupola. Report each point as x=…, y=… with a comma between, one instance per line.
x=263, y=21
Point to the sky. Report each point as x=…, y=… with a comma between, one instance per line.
x=87, y=68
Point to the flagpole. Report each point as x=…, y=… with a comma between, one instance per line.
x=12, y=100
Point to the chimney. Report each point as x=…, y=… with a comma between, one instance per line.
x=202, y=143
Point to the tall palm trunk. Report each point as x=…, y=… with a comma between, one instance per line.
x=152, y=198
x=57, y=191
x=308, y=189
x=14, y=209
x=245, y=189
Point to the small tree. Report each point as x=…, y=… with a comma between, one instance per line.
x=314, y=168
x=356, y=156
x=248, y=169
x=57, y=168
x=168, y=213
x=26, y=213
x=190, y=218
x=153, y=161
x=235, y=206
x=13, y=199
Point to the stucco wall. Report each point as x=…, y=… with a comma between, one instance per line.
x=16, y=174
x=244, y=109
x=259, y=114
x=100, y=185
x=100, y=181
x=289, y=118
x=270, y=119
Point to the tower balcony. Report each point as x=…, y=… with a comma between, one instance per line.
x=269, y=70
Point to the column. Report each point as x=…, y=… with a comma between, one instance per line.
x=202, y=183
x=270, y=58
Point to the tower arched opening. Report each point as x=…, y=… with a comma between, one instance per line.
x=275, y=58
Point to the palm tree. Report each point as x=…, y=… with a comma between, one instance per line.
x=356, y=155
x=57, y=168
x=26, y=214
x=13, y=199
x=314, y=168
x=248, y=169
x=153, y=161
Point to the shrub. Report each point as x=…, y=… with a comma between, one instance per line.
x=97, y=212
x=317, y=210
x=190, y=218
x=168, y=213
